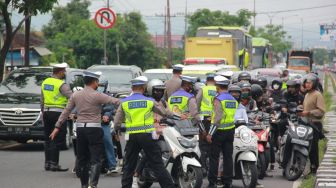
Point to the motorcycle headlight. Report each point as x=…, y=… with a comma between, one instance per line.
x=245, y=136
x=301, y=131
x=187, y=143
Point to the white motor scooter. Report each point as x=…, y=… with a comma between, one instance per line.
x=181, y=155
x=245, y=155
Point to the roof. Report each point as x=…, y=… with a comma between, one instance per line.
x=120, y=67
x=42, y=51
x=258, y=41
x=159, y=71
x=19, y=40
x=224, y=28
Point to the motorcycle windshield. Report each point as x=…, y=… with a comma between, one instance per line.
x=186, y=127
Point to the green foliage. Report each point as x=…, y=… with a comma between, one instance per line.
x=205, y=17
x=276, y=35
x=309, y=181
x=64, y=17
x=47, y=60
x=33, y=6
x=320, y=56
x=81, y=44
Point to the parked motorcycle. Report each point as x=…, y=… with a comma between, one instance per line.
x=245, y=151
x=180, y=154
x=294, y=146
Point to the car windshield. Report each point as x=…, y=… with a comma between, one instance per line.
x=299, y=62
x=18, y=98
x=116, y=77
x=23, y=82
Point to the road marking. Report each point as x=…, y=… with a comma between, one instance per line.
x=9, y=146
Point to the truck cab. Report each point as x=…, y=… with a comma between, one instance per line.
x=300, y=60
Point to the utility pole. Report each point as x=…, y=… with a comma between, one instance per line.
x=165, y=29
x=105, y=43
x=254, y=13
x=186, y=20
x=117, y=49
x=169, y=62
x=301, y=33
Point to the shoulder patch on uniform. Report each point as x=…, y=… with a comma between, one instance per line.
x=175, y=100
x=137, y=104
x=48, y=87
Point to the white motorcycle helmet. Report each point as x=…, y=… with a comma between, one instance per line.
x=155, y=83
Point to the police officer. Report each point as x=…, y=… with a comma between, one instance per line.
x=138, y=112
x=221, y=133
x=55, y=94
x=174, y=83
x=204, y=100
x=183, y=101
x=90, y=145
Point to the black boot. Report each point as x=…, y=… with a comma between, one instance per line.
x=84, y=176
x=57, y=168
x=94, y=176
x=47, y=165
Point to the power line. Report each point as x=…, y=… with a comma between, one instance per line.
x=299, y=9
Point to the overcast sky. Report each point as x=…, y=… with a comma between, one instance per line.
x=292, y=20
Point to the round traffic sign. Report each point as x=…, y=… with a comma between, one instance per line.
x=105, y=18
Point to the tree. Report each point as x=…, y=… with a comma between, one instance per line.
x=64, y=17
x=205, y=17
x=320, y=56
x=82, y=43
x=32, y=7
x=276, y=35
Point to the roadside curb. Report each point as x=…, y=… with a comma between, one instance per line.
x=326, y=173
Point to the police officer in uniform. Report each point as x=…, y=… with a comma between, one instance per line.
x=90, y=145
x=204, y=100
x=138, y=113
x=174, y=83
x=55, y=94
x=221, y=133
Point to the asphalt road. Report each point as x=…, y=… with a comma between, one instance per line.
x=21, y=165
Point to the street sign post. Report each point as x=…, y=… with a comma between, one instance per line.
x=105, y=18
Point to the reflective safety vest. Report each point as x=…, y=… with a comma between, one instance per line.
x=246, y=59
x=229, y=105
x=139, y=115
x=209, y=92
x=52, y=96
x=178, y=101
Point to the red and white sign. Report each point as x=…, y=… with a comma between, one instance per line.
x=105, y=18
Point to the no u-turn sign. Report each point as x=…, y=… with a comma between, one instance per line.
x=105, y=18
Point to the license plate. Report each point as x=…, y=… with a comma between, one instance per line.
x=300, y=142
x=18, y=130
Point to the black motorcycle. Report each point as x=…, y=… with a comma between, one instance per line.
x=294, y=145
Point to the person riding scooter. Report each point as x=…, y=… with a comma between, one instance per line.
x=246, y=98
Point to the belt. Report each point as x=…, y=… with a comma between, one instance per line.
x=223, y=126
x=53, y=109
x=139, y=128
x=97, y=125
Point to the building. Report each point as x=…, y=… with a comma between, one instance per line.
x=15, y=55
x=159, y=41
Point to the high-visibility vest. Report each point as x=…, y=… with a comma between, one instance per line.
x=229, y=105
x=139, y=115
x=51, y=93
x=178, y=101
x=209, y=92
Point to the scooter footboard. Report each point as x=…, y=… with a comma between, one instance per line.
x=303, y=150
x=247, y=156
x=187, y=161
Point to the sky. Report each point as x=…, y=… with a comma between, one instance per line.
x=292, y=21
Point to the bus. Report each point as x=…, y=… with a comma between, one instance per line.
x=243, y=41
x=262, y=53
